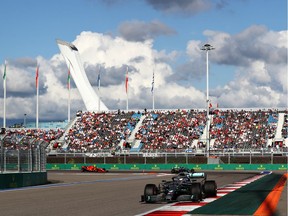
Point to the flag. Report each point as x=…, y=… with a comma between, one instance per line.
x=126, y=81
x=37, y=75
x=152, y=89
x=210, y=105
x=4, y=75
x=68, y=79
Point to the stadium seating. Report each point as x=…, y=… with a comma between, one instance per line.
x=243, y=129
x=165, y=130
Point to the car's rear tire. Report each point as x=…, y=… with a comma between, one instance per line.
x=150, y=190
x=196, y=191
x=210, y=188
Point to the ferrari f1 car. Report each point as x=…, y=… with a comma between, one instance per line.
x=184, y=187
x=93, y=169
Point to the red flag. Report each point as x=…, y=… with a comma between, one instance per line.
x=210, y=105
x=37, y=75
x=126, y=82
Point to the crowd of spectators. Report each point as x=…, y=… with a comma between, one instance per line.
x=24, y=138
x=160, y=130
x=99, y=131
x=167, y=129
x=243, y=129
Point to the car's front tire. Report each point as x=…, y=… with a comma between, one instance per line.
x=150, y=190
x=210, y=188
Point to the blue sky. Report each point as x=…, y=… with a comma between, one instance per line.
x=29, y=28
x=245, y=33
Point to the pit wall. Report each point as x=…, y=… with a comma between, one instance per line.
x=159, y=167
x=17, y=180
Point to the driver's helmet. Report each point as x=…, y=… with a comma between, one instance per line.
x=184, y=179
x=182, y=174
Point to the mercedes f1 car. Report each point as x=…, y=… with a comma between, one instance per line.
x=180, y=170
x=184, y=187
x=93, y=169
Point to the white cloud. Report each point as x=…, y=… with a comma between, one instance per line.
x=260, y=59
x=97, y=48
x=260, y=82
x=174, y=96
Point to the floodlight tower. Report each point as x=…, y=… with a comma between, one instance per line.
x=207, y=48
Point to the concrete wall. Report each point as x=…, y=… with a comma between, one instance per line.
x=16, y=180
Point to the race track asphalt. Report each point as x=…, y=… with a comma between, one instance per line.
x=76, y=193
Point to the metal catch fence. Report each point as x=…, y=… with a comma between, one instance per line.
x=19, y=155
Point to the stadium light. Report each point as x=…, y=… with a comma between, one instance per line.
x=207, y=48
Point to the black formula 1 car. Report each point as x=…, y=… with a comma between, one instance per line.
x=93, y=169
x=184, y=187
x=181, y=169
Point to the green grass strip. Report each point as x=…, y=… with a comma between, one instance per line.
x=243, y=201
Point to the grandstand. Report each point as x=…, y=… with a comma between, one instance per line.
x=166, y=131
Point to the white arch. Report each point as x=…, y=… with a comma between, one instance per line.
x=73, y=61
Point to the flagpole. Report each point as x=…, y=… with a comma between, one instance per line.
x=153, y=101
x=69, y=101
x=4, y=101
x=99, y=90
x=37, y=96
x=153, y=107
x=69, y=95
x=126, y=84
x=127, y=102
x=37, y=108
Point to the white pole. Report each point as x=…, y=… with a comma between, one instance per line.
x=99, y=80
x=153, y=98
x=37, y=108
x=127, y=103
x=99, y=97
x=126, y=85
x=4, y=102
x=207, y=47
x=207, y=99
x=37, y=96
x=69, y=98
x=153, y=103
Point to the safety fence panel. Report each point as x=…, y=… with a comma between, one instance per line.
x=18, y=160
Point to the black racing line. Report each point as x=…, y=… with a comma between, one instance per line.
x=244, y=201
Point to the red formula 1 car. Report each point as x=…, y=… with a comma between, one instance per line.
x=93, y=169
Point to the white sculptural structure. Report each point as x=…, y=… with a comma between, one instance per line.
x=73, y=61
